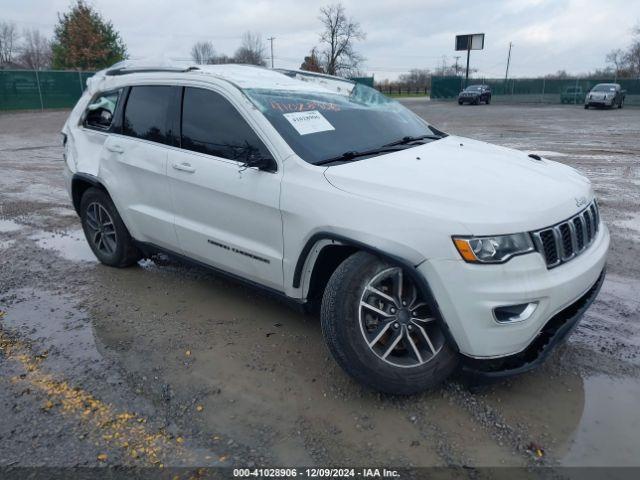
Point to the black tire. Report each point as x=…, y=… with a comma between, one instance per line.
x=586, y=106
x=342, y=331
x=621, y=104
x=122, y=251
x=459, y=102
x=488, y=100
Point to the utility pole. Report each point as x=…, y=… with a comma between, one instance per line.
x=457, y=57
x=506, y=74
x=271, y=39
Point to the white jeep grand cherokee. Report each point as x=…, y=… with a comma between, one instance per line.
x=423, y=251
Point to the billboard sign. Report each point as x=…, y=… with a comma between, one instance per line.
x=474, y=41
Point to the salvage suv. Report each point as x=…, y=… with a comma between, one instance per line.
x=424, y=253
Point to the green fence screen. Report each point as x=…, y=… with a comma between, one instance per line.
x=535, y=90
x=29, y=89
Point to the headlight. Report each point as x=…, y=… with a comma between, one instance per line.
x=496, y=249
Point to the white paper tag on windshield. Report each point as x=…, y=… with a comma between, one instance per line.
x=308, y=122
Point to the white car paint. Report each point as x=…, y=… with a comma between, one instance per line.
x=407, y=204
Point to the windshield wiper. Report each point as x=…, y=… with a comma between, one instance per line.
x=348, y=156
x=406, y=140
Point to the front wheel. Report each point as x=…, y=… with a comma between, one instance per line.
x=621, y=104
x=105, y=231
x=381, y=329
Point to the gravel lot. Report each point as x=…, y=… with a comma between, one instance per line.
x=165, y=364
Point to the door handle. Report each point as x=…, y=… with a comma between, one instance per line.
x=115, y=148
x=184, y=167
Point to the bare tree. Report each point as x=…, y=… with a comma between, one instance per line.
x=8, y=41
x=338, y=56
x=35, y=51
x=632, y=56
x=252, y=50
x=616, y=59
x=416, y=79
x=203, y=53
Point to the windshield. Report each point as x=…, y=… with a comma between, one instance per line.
x=322, y=125
x=604, y=88
x=473, y=88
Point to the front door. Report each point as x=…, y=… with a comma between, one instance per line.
x=225, y=216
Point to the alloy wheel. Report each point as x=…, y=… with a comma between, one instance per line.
x=102, y=231
x=396, y=323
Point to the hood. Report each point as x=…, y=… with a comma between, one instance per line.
x=487, y=188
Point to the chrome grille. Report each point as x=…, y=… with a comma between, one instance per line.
x=564, y=241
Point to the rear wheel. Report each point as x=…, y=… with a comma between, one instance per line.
x=104, y=230
x=381, y=330
x=586, y=106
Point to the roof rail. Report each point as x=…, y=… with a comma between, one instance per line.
x=128, y=70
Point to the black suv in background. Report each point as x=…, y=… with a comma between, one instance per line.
x=475, y=94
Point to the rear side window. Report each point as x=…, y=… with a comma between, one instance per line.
x=101, y=110
x=145, y=115
x=211, y=125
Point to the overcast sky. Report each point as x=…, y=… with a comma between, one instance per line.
x=548, y=35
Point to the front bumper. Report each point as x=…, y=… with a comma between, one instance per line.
x=599, y=103
x=556, y=330
x=468, y=99
x=467, y=294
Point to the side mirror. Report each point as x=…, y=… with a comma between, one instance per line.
x=261, y=163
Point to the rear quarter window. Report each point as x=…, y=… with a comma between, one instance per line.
x=100, y=112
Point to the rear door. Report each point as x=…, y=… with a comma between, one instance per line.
x=225, y=215
x=134, y=166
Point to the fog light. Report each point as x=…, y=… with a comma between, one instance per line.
x=514, y=313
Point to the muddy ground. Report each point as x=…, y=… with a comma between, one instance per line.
x=167, y=365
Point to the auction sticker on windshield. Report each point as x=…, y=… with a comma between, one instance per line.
x=308, y=122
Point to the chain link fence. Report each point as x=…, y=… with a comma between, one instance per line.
x=534, y=90
x=29, y=89
x=40, y=89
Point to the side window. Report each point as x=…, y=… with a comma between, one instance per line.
x=210, y=124
x=145, y=115
x=100, y=112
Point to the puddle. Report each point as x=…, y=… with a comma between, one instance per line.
x=53, y=322
x=7, y=226
x=607, y=434
x=71, y=245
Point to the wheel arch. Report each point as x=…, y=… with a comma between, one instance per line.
x=325, y=251
x=80, y=183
